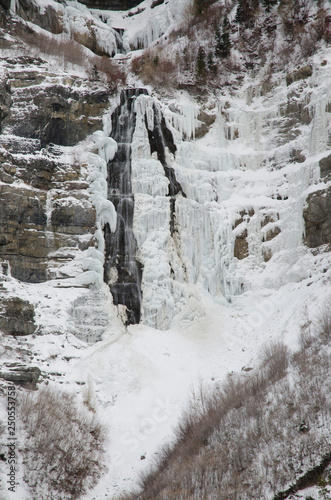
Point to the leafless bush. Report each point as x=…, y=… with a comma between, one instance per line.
x=322, y=24
x=115, y=75
x=70, y=51
x=275, y=358
x=63, y=454
x=306, y=339
x=56, y=46
x=154, y=67
x=323, y=329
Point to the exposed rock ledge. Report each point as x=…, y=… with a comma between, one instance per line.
x=317, y=216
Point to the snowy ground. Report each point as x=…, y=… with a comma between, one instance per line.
x=142, y=380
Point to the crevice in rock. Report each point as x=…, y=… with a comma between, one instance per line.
x=310, y=478
x=160, y=138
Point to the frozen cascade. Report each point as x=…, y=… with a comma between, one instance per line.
x=176, y=242
x=160, y=137
x=321, y=124
x=186, y=121
x=194, y=204
x=138, y=127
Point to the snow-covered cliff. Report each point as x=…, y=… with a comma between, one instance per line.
x=149, y=236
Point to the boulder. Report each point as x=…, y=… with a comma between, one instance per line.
x=300, y=74
x=16, y=316
x=325, y=166
x=25, y=376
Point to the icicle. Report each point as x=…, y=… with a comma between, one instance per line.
x=144, y=107
x=321, y=120
x=106, y=145
x=13, y=5
x=186, y=122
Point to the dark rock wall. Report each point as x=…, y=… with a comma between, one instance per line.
x=111, y=4
x=16, y=316
x=317, y=216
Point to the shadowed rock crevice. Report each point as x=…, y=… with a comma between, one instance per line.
x=160, y=138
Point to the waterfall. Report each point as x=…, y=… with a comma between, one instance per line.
x=122, y=270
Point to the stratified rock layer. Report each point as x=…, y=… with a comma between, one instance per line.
x=46, y=209
x=26, y=376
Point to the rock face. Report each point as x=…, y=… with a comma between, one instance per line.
x=16, y=316
x=49, y=18
x=50, y=213
x=317, y=216
x=26, y=376
x=300, y=74
x=59, y=113
x=5, y=99
x=22, y=227
x=325, y=166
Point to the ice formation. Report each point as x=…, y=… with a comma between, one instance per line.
x=192, y=203
x=185, y=121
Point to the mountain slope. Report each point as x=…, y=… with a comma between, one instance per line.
x=194, y=199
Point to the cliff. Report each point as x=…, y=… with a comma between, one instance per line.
x=165, y=206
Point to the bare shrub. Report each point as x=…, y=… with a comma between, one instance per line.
x=306, y=337
x=70, y=51
x=294, y=16
x=55, y=46
x=113, y=73
x=323, y=328
x=275, y=358
x=63, y=454
x=154, y=67
x=322, y=24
